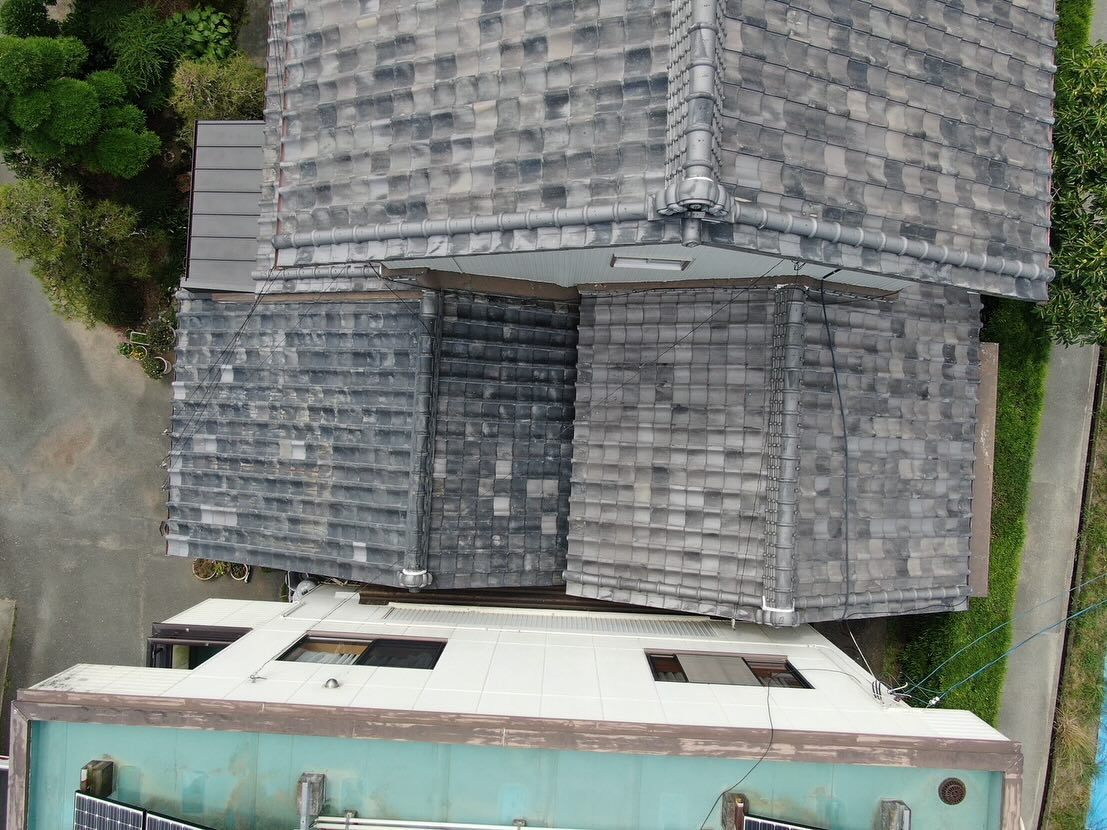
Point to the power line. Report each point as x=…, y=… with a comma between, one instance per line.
x=1075, y=615
x=912, y=686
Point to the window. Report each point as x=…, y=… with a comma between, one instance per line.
x=725, y=669
x=172, y=646
x=399, y=654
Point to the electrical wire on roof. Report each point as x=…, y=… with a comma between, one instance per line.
x=757, y=763
x=269, y=356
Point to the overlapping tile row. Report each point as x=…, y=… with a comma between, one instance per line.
x=296, y=441
x=675, y=455
x=503, y=442
x=668, y=495
x=909, y=380
x=461, y=108
x=928, y=119
x=292, y=438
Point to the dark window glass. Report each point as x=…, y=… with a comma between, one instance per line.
x=667, y=667
x=725, y=669
x=400, y=654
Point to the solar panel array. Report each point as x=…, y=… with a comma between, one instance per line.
x=770, y=824
x=91, y=813
x=156, y=822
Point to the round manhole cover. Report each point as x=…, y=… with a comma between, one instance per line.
x=952, y=791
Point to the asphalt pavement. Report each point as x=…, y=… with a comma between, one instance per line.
x=81, y=445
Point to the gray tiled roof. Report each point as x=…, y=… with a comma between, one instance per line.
x=677, y=473
x=686, y=454
x=357, y=438
x=925, y=122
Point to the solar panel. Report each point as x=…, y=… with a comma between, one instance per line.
x=156, y=822
x=771, y=824
x=91, y=813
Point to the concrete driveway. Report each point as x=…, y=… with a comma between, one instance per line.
x=80, y=495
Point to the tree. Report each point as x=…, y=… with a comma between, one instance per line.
x=27, y=18
x=90, y=256
x=52, y=116
x=204, y=90
x=1077, y=310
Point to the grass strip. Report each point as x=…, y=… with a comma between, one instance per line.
x=926, y=641
x=1080, y=703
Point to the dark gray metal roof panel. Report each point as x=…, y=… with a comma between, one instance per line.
x=225, y=180
x=226, y=192
x=223, y=225
x=210, y=157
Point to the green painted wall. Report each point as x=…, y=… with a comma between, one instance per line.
x=246, y=781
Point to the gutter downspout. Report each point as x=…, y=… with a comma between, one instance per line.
x=414, y=575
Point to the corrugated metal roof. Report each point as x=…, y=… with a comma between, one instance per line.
x=226, y=190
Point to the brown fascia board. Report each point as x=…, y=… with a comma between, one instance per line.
x=521, y=732
x=508, y=732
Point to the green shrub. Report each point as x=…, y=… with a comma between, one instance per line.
x=22, y=65
x=30, y=110
x=1077, y=310
x=104, y=17
x=207, y=34
x=123, y=152
x=66, y=55
x=41, y=147
x=27, y=18
x=108, y=86
x=89, y=255
x=127, y=116
x=28, y=63
x=145, y=49
x=218, y=91
x=74, y=111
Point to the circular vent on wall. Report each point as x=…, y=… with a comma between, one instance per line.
x=952, y=791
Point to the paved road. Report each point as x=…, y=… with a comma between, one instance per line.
x=80, y=494
x=1056, y=486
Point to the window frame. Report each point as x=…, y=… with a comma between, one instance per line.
x=361, y=639
x=652, y=653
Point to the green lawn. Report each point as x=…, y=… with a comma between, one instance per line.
x=928, y=640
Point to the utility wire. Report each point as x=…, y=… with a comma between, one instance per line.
x=913, y=686
x=934, y=701
x=757, y=763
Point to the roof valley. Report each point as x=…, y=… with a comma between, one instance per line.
x=782, y=449
x=428, y=339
